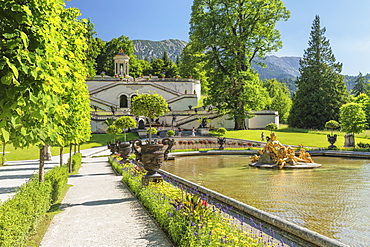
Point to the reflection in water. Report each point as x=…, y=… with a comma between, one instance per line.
x=332, y=200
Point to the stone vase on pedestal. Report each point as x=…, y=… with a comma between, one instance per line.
x=124, y=150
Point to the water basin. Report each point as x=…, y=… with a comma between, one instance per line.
x=333, y=200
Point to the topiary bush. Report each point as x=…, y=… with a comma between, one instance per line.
x=221, y=131
x=271, y=127
x=170, y=133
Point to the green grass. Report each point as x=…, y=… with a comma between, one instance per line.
x=32, y=152
x=295, y=137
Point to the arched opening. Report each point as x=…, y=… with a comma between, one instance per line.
x=123, y=103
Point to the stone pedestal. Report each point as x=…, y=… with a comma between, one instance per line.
x=203, y=131
x=349, y=140
x=142, y=133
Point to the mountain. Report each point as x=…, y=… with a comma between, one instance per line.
x=147, y=49
x=278, y=67
x=285, y=69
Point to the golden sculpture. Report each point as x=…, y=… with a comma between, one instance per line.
x=276, y=153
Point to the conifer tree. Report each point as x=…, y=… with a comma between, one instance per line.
x=321, y=90
x=360, y=86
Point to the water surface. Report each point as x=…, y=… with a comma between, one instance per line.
x=333, y=200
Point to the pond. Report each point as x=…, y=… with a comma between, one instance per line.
x=333, y=200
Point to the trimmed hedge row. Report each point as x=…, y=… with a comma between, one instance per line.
x=76, y=161
x=20, y=215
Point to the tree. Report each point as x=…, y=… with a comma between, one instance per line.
x=150, y=106
x=280, y=98
x=95, y=46
x=231, y=34
x=364, y=101
x=41, y=64
x=113, y=130
x=124, y=123
x=321, y=90
x=352, y=118
x=361, y=86
x=192, y=64
x=111, y=48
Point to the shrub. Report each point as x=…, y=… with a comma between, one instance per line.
x=58, y=178
x=170, y=133
x=20, y=215
x=153, y=130
x=221, y=131
x=76, y=161
x=186, y=217
x=363, y=145
x=271, y=126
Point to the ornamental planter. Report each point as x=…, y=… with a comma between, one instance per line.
x=332, y=140
x=151, y=157
x=124, y=150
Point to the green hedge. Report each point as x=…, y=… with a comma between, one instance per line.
x=76, y=161
x=20, y=215
x=58, y=178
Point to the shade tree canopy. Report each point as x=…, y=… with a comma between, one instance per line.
x=231, y=34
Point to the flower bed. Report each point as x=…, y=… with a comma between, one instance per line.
x=212, y=143
x=189, y=218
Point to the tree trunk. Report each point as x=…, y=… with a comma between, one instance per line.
x=150, y=132
x=3, y=158
x=70, y=158
x=239, y=123
x=42, y=164
x=61, y=156
x=75, y=148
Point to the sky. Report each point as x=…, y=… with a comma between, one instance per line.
x=347, y=25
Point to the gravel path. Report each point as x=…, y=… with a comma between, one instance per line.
x=100, y=211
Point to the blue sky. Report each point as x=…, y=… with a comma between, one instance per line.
x=347, y=24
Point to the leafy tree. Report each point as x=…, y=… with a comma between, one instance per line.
x=111, y=48
x=157, y=67
x=114, y=130
x=95, y=46
x=352, y=118
x=361, y=86
x=41, y=64
x=231, y=34
x=364, y=101
x=124, y=123
x=150, y=106
x=280, y=98
x=321, y=89
x=221, y=131
x=139, y=67
x=193, y=64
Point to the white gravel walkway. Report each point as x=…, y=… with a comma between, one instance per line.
x=100, y=211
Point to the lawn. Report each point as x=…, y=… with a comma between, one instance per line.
x=295, y=137
x=32, y=152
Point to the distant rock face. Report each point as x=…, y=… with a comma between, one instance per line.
x=276, y=67
x=155, y=49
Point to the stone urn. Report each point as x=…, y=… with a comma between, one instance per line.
x=221, y=141
x=151, y=156
x=113, y=148
x=332, y=140
x=124, y=150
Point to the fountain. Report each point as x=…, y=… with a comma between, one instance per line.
x=276, y=155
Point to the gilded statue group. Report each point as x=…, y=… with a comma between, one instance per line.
x=276, y=153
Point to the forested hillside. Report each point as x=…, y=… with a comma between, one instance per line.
x=284, y=69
